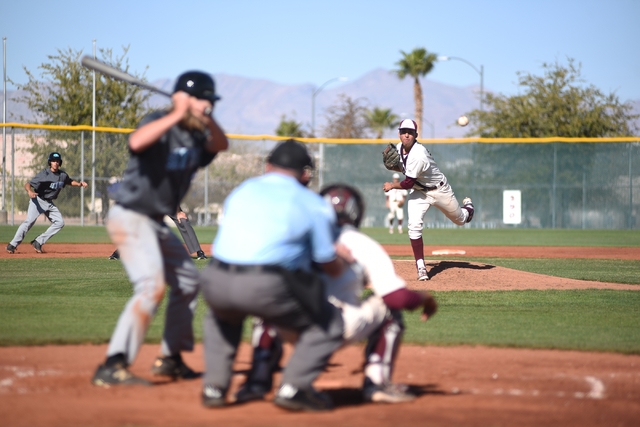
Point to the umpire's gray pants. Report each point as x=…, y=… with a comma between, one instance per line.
x=152, y=256
x=187, y=233
x=39, y=206
x=232, y=296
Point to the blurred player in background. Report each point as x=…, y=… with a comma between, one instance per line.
x=165, y=151
x=395, y=203
x=43, y=189
x=186, y=231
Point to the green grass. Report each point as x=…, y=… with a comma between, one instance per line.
x=78, y=300
x=593, y=320
x=454, y=236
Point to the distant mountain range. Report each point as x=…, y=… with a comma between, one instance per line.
x=255, y=106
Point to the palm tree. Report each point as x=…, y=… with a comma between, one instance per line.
x=416, y=64
x=380, y=119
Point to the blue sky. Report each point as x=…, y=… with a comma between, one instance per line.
x=300, y=42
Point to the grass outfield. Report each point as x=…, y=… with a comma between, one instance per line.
x=78, y=300
x=455, y=236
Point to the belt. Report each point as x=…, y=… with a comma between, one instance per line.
x=434, y=188
x=245, y=268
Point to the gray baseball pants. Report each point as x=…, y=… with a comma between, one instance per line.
x=39, y=206
x=232, y=296
x=152, y=256
x=187, y=233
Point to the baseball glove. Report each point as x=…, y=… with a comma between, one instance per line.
x=401, y=203
x=391, y=157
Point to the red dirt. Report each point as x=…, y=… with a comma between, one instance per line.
x=456, y=386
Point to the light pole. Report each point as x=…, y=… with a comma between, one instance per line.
x=432, y=128
x=313, y=127
x=480, y=71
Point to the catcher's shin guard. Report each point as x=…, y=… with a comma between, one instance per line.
x=267, y=352
x=382, y=348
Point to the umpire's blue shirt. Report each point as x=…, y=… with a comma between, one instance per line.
x=275, y=220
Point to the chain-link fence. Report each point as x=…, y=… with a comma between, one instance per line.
x=569, y=183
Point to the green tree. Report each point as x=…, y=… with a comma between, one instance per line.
x=555, y=104
x=62, y=95
x=418, y=63
x=290, y=128
x=381, y=119
x=346, y=118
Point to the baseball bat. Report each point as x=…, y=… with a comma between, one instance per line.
x=113, y=72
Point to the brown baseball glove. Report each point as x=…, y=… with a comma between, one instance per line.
x=391, y=157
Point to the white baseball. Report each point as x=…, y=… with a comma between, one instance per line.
x=463, y=120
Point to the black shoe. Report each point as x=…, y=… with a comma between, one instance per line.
x=201, y=255
x=252, y=391
x=294, y=399
x=213, y=397
x=173, y=366
x=37, y=246
x=10, y=248
x=114, y=255
x=106, y=376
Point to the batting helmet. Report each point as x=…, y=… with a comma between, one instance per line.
x=54, y=156
x=197, y=84
x=347, y=203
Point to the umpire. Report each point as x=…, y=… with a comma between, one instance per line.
x=262, y=267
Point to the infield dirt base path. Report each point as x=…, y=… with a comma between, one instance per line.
x=456, y=386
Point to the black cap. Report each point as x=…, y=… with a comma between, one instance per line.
x=290, y=154
x=198, y=84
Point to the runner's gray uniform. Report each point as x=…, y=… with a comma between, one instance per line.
x=47, y=184
x=153, y=184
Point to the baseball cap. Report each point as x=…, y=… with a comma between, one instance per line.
x=408, y=124
x=290, y=154
x=396, y=176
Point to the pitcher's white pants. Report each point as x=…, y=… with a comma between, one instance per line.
x=419, y=202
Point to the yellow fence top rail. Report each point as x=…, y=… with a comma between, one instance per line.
x=355, y=140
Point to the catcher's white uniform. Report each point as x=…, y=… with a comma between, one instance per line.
x=373, y=266
x=431, y=188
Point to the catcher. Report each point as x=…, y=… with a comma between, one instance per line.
x=378, y=318
x=427, y=184
x=395, y=202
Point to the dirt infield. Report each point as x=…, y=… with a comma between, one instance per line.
x=456, y=386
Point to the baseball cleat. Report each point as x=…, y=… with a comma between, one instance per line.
x=10, y=248
x=466, y=204
x=106, y=376
x=114, y=255
x=251, y=391
x=422, y=274
x=173, y=366
x=201, y=255
x=37, y=246
x=386, y=393
x=391, y=230
x=295, y=399
x=213, y=397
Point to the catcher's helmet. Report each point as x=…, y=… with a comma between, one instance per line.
x=54, y=156
x=347, y=203
x=197, y=84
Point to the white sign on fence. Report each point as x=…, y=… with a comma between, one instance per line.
x=512, y=207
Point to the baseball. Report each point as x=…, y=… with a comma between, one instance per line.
x=463, y=120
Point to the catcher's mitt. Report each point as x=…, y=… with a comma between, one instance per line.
x=391, y=157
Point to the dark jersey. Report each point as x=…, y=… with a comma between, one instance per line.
x=48, y=184
x=156, y=179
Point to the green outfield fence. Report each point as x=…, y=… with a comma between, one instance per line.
x=578, y=183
